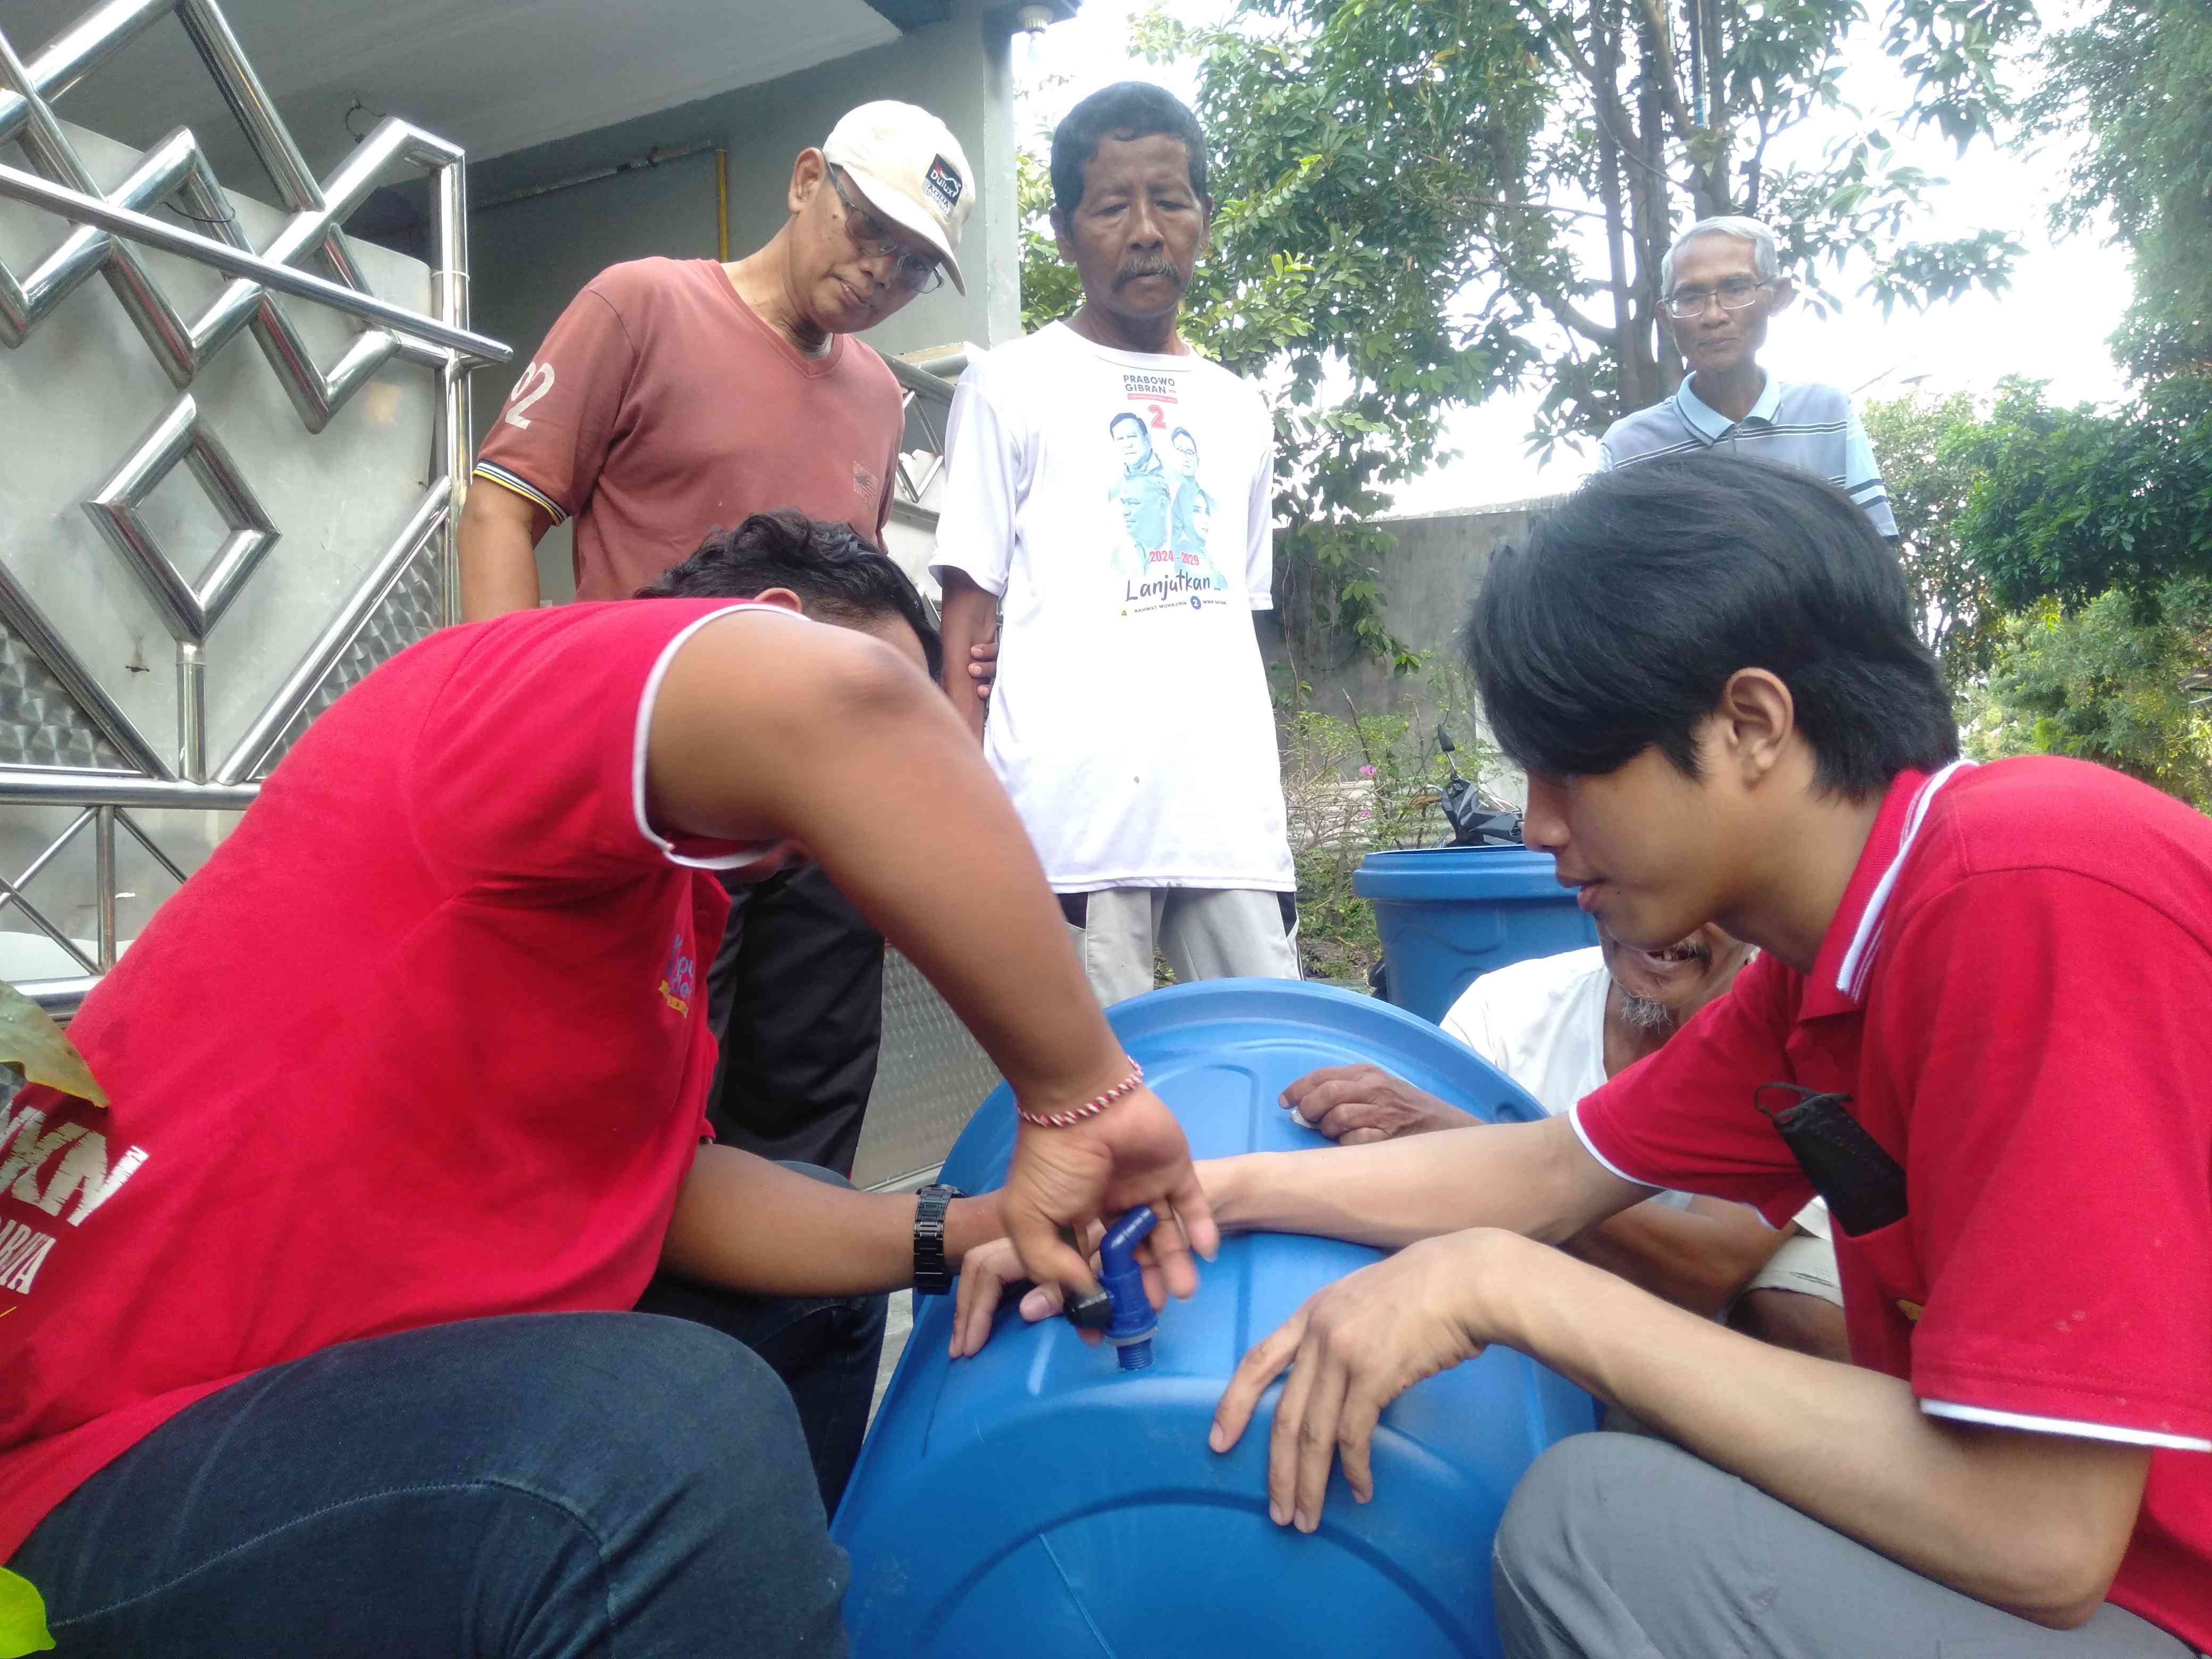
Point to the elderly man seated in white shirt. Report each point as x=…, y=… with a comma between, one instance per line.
x=1561, y=1026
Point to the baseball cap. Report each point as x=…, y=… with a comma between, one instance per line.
x=912, y=170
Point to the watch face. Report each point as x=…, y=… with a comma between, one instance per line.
x=936, y=1189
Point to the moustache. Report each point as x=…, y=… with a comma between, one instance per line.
x=1129, y=274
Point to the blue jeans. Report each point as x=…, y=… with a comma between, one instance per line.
x=825, y=1348
x=547, y=1485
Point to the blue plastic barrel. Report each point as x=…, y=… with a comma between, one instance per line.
x=1037, y=1499
x=1448, y=913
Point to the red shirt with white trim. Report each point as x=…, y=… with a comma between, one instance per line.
x=426, y=1040
x=2014, y=993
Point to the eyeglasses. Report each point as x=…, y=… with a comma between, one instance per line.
x=1688, y=302
x=872, y=238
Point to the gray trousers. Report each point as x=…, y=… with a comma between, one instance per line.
x=1619, y=1546
x=1205, y=932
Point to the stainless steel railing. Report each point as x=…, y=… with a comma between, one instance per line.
x=78, y=746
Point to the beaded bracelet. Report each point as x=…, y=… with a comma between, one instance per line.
x=1068, y=1120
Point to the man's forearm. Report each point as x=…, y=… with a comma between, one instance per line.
x=739, y=733
x=1698, y=1261
x=2031, y=1522
x=498, y=555
x=1533, y=1178
x=820, y=737
x=745, y=1224
x=968, y=618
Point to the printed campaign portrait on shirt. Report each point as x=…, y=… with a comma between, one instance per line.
x=1120, y=505
x=1161, y=514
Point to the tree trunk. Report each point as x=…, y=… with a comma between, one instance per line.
x=1605, y=62
x=1720, y=191
x=1648, y=369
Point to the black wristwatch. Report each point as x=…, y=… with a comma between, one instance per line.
x=931, y=1276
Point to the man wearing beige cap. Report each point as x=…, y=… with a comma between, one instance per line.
x=675, y=396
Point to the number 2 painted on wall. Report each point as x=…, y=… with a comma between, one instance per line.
x=517, y=402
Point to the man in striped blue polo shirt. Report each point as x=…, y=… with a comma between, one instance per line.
x=1721, y=282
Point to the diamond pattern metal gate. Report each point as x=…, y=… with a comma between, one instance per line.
x=90, y=789
x=77, y=764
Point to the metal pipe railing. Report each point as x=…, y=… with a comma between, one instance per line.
x=103, y=859
x=110, y=226
x=456, y=437
x=59, y=997
x=428, y=517
x=22, y=616
x=12, y=892
x=927, y=396
x=70, y=55
x=55, y=786
x=80, y=209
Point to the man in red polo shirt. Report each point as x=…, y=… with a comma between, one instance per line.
x=1976, y=1028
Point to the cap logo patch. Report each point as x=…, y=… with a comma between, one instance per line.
x=943, y=185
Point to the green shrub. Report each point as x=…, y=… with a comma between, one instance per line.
x=1356, y=786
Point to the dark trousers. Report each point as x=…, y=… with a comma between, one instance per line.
x=825, y=1348
x=796, y=999
x=537, y=1486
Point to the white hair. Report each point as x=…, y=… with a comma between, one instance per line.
x=1766, y=259
x=1647, y=1013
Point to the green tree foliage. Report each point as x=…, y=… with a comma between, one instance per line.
x=1341, y=239
x=1516, y=169
x=1050, y=289
x=22, y=1617
x=2063, y=560
x=37, y=1050
x=2076, y=501
x=1927, y=447
x=2138, y=78
x=1423, y=202
x=2073, y=502
x=2113, y=681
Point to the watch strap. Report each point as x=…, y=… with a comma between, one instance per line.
x=932, y=1276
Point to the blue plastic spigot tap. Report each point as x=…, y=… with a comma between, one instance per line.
x=1134, y=1321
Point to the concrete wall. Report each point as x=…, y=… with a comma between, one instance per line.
x=1428, y=577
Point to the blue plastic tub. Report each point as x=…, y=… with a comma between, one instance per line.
x=1448, y=913
x=1037, y=1500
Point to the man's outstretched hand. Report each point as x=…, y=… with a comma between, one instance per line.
x=989, y=1271
x=1133, y=1153
x=1354, y=1347
x=1355, y=1104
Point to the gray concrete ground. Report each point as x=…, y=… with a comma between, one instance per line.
x=896, y=1329
x=900, y=1324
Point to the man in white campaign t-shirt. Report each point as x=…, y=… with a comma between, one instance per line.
x=1560, y=1026
x=1111, y=491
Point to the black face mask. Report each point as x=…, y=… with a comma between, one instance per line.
x=1863, y=1185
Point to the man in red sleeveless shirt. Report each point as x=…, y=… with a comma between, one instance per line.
x=325, y=1344
x=673, y=396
